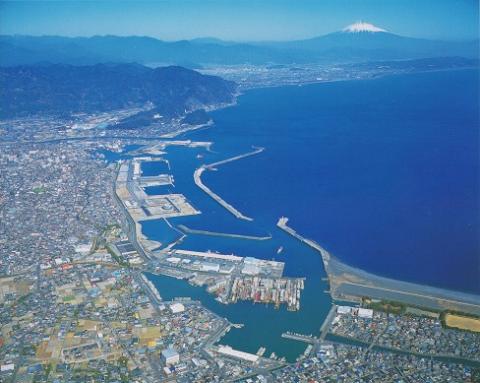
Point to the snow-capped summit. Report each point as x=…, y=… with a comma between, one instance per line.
x=361, y=26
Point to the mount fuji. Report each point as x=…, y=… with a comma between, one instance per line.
x=358, y=42
x=362, y=41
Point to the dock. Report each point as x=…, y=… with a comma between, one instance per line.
x=160, y=180
x=327, y=322
x=261, y=351
x=206, y=254
x=300, y=337
x=267, y=290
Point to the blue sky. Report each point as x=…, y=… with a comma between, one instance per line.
x=239, y=20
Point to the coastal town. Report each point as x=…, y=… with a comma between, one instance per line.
x=75, y=304
x=228, y=276
x=253, y=191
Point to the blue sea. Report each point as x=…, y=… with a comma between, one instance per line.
x=383, y=173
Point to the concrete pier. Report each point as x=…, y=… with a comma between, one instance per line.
x=327, y=322
x=300, y=337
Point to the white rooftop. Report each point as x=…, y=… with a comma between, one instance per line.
x=177, y=308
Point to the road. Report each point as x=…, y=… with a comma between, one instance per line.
x=131, y=227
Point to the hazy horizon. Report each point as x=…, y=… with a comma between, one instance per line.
x=244, y=21
x=215, y=38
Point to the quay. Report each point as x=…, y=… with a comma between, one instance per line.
x=160, y=180
x=300, y=337
x=323, y=330
x=327, y=322
x=224, y=257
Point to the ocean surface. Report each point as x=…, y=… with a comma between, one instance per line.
x=383, y=173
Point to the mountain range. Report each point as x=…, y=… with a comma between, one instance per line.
x=64, y=89
x=63, y=75
x=357, y=43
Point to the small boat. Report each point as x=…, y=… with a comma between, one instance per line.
x=280, y=249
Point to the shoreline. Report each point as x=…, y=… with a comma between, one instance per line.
x=348, y=283
x=380, y=76
x=208, y=124
x=216, y=107
x=351, y=280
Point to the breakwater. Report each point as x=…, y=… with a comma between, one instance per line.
x=352, y=284
x=197, y=176
x=187, y=230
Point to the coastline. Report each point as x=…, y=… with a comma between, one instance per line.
x=318, y=282
x=348, y=283
x=176, y=133
x=379, y=76
x=210, y=123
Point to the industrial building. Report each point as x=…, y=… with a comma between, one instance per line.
x=170, y=357
x=177, y=308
